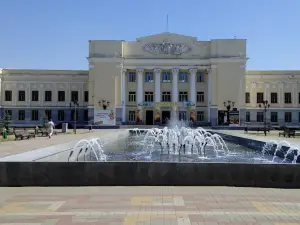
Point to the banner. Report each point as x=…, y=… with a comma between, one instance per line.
x=234, y=117
x=105, y=117
x=146, y=104
x=159, y=105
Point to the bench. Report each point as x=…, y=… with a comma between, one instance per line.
x=257, y=129
x=43, y=132
x=288, y=133
x=23, y=134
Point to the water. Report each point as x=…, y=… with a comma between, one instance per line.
x=180, y=144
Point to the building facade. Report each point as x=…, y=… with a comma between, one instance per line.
x=157, y=77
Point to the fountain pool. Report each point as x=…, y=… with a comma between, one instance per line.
x=181, y=145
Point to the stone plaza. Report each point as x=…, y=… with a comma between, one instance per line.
x=149, y=205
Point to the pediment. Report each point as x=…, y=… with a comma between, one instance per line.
x=166, y=36
x=167, y=43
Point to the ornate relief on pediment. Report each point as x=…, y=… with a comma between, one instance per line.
x=166, y=48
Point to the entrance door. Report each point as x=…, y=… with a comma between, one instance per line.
x=166, y=115
x=149, y=117
x=221, y=115
x=182, y=115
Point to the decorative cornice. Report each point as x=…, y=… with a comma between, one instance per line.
x=166, y=48
x=193, y=70
x=140, y=70
x=157, y=70
x=175, y=70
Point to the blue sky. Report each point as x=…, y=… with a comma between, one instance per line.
x=54, y=34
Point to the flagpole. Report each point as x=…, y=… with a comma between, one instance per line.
x=167, y=23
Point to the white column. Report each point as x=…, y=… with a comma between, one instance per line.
x=192, y=83
x=157, y=73
x=209, y=89
x=294, y=94
x=123, y=94
x=139, y=98
x=140, y=93
x=175, y=72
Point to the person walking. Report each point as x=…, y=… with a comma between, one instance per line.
x=50, y=127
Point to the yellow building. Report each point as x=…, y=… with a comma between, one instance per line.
x=153, y=78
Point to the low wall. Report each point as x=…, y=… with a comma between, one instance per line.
x=148, y=173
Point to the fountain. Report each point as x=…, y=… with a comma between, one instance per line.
x=182, y=144
x=176, y=155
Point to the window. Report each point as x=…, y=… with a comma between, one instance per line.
x=21, y=115
x=200, y=96
x=21, y=96
x=86, y=115
x=61, y=96
x=247, y=116
x=74, y=116
x=183, y=77
x=148, y=96
x=182, y=115
x=200, y=116
x=131, y=116
x=259, y=97
x=148, y=76
x=247, y=97
x=86, y=96
x=131, y=77
x=131, y=96
x=287, y=117
x=183, y=96
x=48, y=96
x=8, y=96
x=166, y=96
x=166, y=76
x=74, y=96
x=48, y=114
x=274, y=117
x=200, y=77
x=60, y=115
x=8, y=112
x=260, y=117
x=35, y=115
x=35, y=96
x=274, y=97
x=287, y=97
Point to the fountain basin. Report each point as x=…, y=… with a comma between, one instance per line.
x=149, y=173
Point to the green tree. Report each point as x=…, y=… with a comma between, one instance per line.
x=7, y=120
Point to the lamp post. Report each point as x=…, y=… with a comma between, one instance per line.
x=265, y=105
x=74, y=104
x=228, y=105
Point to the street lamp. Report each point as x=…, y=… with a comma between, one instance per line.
x=265, y=105
x=228, y=105
x=74, y=104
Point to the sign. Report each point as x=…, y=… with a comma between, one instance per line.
x=234, y=117
x=165, y=105
x=146, y=104
x=105, y=117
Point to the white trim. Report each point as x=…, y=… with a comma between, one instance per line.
x=41, y=82
x=258, y=76
x=166, y=67
x=95, y=60
x=276, y=108
x=164, y=61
